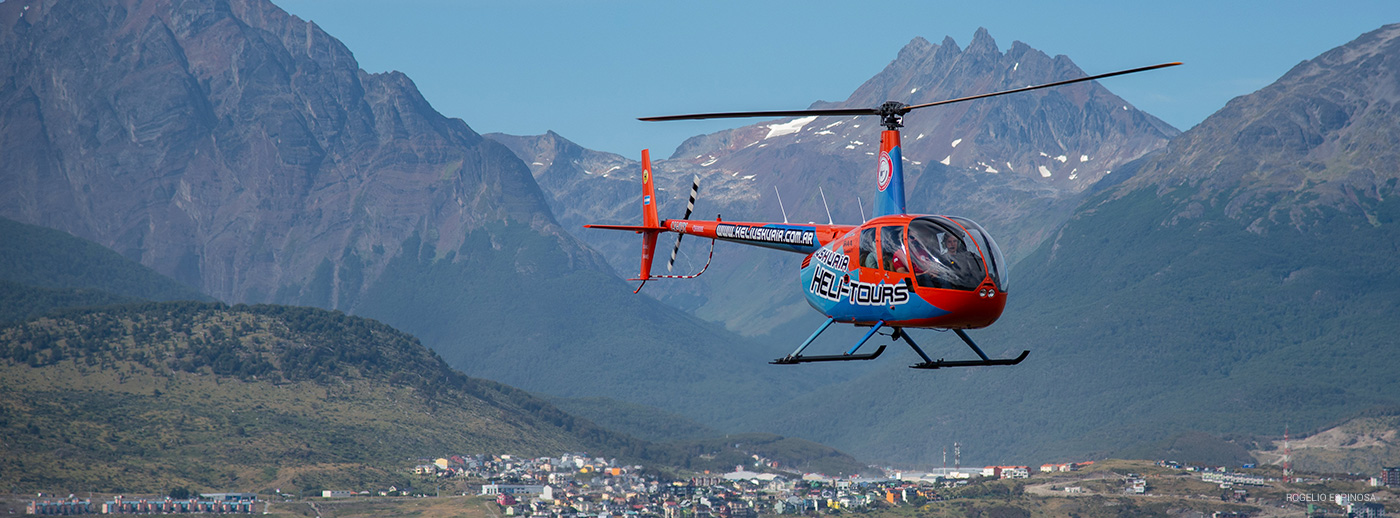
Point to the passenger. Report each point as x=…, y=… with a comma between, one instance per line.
x=899, y=263
x=924, y=262
x=867, y=249
x=928, y=268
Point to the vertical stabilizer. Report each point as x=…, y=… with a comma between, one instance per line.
x=649, y=217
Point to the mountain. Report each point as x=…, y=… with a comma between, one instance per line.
x=1017, y=164
x=640, y=421
x=138, y=398
x=240, y=150
x=42, y=269
x=236, y=148
x=1240, y=281
x=1362, y=444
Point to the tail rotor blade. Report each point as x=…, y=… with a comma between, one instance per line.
x=689, y=207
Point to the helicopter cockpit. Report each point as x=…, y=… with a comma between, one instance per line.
x=944, y=255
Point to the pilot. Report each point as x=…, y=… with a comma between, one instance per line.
x=963, y=263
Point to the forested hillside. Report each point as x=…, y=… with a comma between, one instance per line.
x=141, y=397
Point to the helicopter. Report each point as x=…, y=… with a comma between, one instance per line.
x=896, y=270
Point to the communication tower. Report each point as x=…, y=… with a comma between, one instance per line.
x=1287, y=458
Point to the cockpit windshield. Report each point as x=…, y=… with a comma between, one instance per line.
x=995, y=261
x=945, y=256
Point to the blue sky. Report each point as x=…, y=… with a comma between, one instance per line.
x=588, y=69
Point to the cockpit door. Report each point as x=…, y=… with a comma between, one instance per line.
x=944, y=256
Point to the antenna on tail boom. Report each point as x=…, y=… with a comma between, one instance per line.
x=829, y=221
x=780, y=203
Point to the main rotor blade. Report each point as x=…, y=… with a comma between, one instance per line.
x=778, y=113
x=896, y=109
x=906, y=109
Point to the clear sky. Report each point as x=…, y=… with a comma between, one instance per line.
x=588, y=68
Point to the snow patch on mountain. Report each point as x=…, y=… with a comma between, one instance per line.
x=788, y=128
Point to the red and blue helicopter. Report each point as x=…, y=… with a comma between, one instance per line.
x=896, y=270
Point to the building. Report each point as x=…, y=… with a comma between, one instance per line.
x=1007, y=471
x=1015, y=472
x=336, y=493
x=511, y=489
x=1365, y=510
x=1390, y=477
x=207, y=503
x=60, y=507
x=1215, y=477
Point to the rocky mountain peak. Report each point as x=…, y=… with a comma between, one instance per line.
x=236, y=148
x=982, y=43
x=916, y=47
x=949, y=44
x=1321, y=138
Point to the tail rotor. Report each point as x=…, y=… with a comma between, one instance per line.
x=689, y=207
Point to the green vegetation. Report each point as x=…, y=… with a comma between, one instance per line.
x=1194, y=448
x=207, y=397
x=722, y=454
x=20, y=302
x=639, y=421
x=46, y=258
x=1216, y=327
x=42, y=270
x=201, y=395
x=1147, y=316
x=512, y=305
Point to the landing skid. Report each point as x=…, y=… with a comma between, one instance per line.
x=790, y=360
x=941, y=363
x=796, y=357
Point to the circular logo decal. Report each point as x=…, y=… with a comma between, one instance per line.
x=885, y=169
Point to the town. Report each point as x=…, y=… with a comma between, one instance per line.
x=576, y=485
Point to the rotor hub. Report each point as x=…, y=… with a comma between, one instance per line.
x=892, y=114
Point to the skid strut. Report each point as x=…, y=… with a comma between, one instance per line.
x=930, y=364
x=797, y=357
x=898, y=334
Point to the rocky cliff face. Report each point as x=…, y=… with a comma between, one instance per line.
x=236, y=148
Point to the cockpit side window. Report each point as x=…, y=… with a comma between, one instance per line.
x=892, y=249
x=867, y=249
